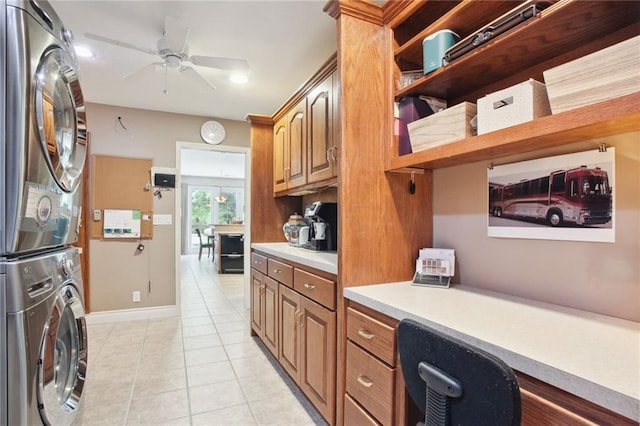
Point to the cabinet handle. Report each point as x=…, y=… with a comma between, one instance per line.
x=364, y=381
x=329, y=155
x=365, y=333
x=277, y=271
x=309, y=286
x=257, y=262
x=299, y=321
x=333, y=154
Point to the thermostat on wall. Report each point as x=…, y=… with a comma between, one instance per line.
x=163, y=177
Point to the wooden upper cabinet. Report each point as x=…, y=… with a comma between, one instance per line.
x=297, y=145
x=280, y=154
x=290, y=149
x=306, y=135
x=321, y=145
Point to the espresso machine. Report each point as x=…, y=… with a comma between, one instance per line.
x=322, y=218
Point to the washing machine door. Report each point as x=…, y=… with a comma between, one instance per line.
x=63, y=359
x=60, y=117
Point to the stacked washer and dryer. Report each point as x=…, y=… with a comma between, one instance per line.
x=43, y=343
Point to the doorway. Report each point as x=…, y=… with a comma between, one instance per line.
x=212, y=187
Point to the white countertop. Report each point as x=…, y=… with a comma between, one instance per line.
x=321, y=260
x=593, y=356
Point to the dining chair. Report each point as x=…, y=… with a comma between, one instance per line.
x=206, y=245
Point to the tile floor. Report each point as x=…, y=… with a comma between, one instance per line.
x=202, y=368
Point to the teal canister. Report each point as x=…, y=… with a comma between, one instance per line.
x=434, y=46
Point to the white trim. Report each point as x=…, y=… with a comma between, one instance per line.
x=180, y=145
x=103, y=317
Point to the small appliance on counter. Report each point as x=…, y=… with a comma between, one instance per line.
x=322, y=218
x=294, y=228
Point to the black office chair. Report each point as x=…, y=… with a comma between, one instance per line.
x=206, y=245
x=461, y=384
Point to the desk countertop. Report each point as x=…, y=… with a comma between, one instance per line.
x=590, y=355
x=321, y=260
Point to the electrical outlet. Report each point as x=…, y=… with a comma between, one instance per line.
x=136, y=296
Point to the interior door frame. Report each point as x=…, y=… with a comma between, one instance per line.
x=180, y=146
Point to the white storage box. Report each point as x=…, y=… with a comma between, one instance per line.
x=513, y=105
x=606, y=74
x=446, y=126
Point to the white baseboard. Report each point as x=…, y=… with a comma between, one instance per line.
x=159, y=312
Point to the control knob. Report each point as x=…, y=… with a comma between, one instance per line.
x=67, y=267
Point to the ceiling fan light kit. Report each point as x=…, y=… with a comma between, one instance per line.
x=173, y=49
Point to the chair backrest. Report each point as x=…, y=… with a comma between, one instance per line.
x=455, y=383
x=199, y=235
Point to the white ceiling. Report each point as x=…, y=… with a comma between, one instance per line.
x=285, y=42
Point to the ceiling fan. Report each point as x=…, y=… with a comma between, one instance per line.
x=173, y=49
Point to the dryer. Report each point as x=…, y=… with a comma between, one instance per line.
x=45, y=139
x=45, y=343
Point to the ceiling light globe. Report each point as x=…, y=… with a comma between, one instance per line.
x=239, y=78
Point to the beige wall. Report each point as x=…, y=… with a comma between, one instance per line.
x=115, y=268
x=597, y=277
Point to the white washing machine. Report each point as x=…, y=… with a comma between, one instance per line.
x=45, y=343
x=45, y=133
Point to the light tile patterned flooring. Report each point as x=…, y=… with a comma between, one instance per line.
x=202, y=368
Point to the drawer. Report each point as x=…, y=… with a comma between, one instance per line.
x=371, y=383
x=373, y=335
x=354, y=414
x=316, y=288
x=280, y=272
x=259, y=262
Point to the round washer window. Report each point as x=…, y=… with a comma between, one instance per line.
x=60, y=117
x=63, y=358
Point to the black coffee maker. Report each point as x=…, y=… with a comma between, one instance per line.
x=322, y=218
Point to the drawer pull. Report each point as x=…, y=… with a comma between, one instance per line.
x=257, y=262
x=364, y=333
x=309, y=286
x=277, y=271
x=364, y=381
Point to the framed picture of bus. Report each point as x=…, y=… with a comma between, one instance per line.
x=565, y=197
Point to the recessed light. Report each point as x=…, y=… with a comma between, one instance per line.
x=239, y=78
x=83, y=52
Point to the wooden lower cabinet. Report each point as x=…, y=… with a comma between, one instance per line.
x=318, y=356
x=299, y=331
x=264, y=309
x=374, y=386
x=289, y=353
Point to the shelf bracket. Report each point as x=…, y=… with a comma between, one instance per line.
x=411, y=170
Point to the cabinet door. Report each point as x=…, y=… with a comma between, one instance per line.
x=280, y=155
x=320, y=125
x=297, y=143
x=318, y=355
x=270, y=324
x=289, y=350
x=257, y=302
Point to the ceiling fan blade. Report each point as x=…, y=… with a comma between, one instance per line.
x=146, y=67
x=175, y=34
x=120, y=43
x=196, y=73
x=227, y=64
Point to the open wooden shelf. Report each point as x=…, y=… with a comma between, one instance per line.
x=554, y=33
x=607, y=118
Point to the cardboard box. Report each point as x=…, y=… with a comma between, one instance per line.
x=446, y=126
x=513, y=105
x=600, y=76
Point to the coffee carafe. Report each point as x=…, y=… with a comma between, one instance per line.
x=322, y=218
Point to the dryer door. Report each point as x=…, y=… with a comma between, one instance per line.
x=60, y=117
x=63, y=358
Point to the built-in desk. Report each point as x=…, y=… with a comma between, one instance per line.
x=592, y=356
